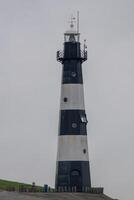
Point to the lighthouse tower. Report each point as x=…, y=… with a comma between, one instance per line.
x=72, y=169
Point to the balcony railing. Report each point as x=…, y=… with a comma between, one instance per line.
x=61, y=58
x=84, y=55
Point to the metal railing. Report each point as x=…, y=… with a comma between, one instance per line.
x=47, y=189
x=60, y=56
x=84, y=190
x=82, y=56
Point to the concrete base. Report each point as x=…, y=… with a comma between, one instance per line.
x=4, y=195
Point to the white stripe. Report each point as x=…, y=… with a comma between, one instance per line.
x=75, y=97
x=72, y=148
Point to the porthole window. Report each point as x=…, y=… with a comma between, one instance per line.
x=84, y=151
x=75, y=173
x=65, y=99
x=73, y=74
x=74, y=125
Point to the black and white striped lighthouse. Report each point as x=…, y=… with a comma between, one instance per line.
x=72, y=169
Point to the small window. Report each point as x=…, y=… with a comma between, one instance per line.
x=65, y=99
x=74, y=125
x=73, y=74
x=84, y=151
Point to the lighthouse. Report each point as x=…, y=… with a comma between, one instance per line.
x=72, y=165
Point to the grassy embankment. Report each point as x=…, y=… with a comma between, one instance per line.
x=16, y=186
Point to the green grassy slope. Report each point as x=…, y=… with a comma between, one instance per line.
x=12, y=185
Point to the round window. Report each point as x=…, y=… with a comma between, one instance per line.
x=74, y=125
x=73, y=74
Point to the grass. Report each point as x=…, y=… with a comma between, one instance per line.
x=16, y=186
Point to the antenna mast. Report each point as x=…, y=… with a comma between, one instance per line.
x=78, y=25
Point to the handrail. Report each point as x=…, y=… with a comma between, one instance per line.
x=82, y=57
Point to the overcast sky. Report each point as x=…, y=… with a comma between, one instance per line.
x=31, y=31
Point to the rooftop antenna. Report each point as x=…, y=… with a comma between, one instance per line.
x=85, y=46
x=78, y=26
x=77, y=21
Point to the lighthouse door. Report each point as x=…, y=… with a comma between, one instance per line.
x=75, y=179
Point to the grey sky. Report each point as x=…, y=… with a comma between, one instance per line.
x=31, y=31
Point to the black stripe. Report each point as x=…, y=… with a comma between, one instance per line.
x=73, y=122
x=73, y=173
x=72, y=68
x=72, y=50
x=72, y=72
